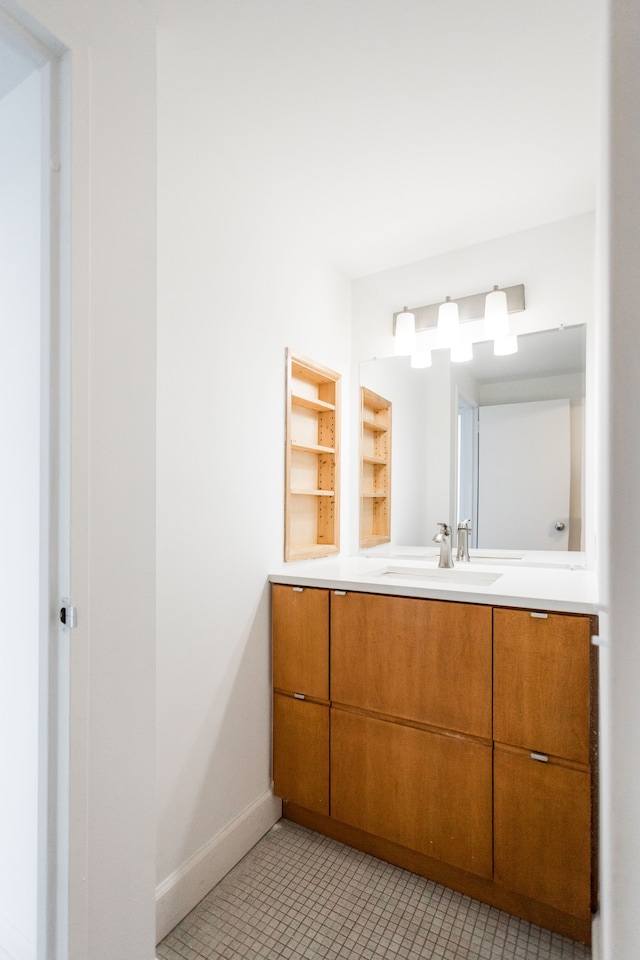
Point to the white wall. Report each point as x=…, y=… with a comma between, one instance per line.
x=236, y=286
x=111, y=298
x=556, y=264
x=619, y=428
x=20, y=306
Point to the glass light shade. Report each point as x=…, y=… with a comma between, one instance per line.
x=496, y=315
x=404, y=342
x=503, y=346
x=448, y=323
x=461, y=351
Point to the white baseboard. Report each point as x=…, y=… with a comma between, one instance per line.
x=186, y=887
x=596, y=938
x=14, y=945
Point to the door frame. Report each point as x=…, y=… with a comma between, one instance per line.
x=48, y=58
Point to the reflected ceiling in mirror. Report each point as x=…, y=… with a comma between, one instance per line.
x=544, y=354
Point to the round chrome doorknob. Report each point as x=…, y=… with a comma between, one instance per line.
x=559, y=525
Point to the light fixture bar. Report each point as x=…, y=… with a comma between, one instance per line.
x=469, y=308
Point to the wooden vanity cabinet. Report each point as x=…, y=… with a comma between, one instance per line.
x=542, y=772
x=300, y=625
x=456, y=740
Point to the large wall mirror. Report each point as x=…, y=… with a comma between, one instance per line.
x=498, y=440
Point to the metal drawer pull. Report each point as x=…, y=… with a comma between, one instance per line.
x=298, y=589
x=298, y=696
x=541, y=616
x=542, y=757
x=339, y=593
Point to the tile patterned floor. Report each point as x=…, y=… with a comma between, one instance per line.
x=300, y=896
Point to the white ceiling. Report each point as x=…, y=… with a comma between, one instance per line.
x=399, y=129
x=405, y=128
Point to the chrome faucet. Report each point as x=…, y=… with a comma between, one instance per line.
x=463, y=541
x=444, y=539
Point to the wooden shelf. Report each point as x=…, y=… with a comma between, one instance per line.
x=374, y=426
x=375, y=469
x=311, y=447
x=312, y=468
x=311, y=404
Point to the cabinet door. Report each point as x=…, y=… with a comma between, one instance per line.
x=543, y=831
x=422, y=660
x=424, y=791
x=541, y=683
x=301, y=752
x=301, y=640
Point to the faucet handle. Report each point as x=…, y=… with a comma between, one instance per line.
x=444, y=528
x=464, y=524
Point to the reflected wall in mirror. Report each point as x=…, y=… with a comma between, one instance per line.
x=530, y=409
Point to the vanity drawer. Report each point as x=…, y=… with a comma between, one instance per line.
x=425, y=791
x=300, y=617
x=422, y=660
x=301, y=752
x=542, y=828
x=541, y=686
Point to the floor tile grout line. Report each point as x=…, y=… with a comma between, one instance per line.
x=300, y=896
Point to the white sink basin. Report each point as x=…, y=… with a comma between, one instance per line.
x=394, y=572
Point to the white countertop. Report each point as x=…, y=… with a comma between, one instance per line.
x=541, y=580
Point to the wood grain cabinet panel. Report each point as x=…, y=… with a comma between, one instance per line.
x=423, y=660
x=301, y=752
x=542, y=682
x=424, y=791
x=542, y=831
x=301, y=640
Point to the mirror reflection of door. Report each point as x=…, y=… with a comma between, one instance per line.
x=524, y=474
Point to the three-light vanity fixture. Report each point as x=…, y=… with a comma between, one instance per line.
x=438, y=326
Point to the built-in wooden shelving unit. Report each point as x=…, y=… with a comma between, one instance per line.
x=375, y=469
x=312, y=474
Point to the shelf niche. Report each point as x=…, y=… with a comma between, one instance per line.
x=312, y=468
x=375, y=469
